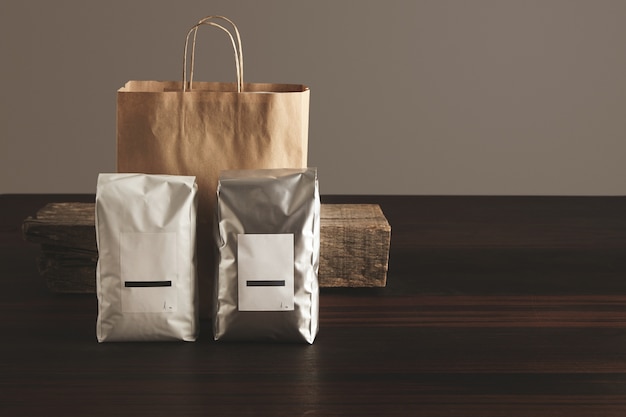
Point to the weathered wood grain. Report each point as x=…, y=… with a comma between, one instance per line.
x=354, y=246
x=354, y=249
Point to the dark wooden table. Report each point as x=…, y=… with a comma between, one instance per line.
x=495, y=306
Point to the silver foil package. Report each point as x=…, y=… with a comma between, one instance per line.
x=268, y=239
x=146, y=272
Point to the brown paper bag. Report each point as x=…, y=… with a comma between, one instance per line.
x=201, y=128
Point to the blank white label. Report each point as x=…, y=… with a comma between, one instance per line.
x=265, y=264
x=149, y=268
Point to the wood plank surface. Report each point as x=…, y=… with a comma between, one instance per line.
x=354, y=247
x=478, y=323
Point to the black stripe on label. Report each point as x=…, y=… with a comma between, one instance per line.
x=266, y=283
x=147, y=283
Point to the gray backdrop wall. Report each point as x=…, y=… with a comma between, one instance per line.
x=408, y=97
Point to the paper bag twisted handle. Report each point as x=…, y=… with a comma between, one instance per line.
x=239, y=47
x=236, y=47
x=237, y=60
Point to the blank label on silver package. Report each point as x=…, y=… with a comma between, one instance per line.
x=265, y=271
x=149, y=267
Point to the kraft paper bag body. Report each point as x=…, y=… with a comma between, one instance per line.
x=146, y=271
x=200, y=129
x=268, y=237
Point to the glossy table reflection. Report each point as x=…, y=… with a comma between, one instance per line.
x=495, y=306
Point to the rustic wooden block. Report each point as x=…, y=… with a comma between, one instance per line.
x=67, y=234
x=354, y=247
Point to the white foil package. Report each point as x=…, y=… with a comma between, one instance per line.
x=268, y=238
x=146, y=272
